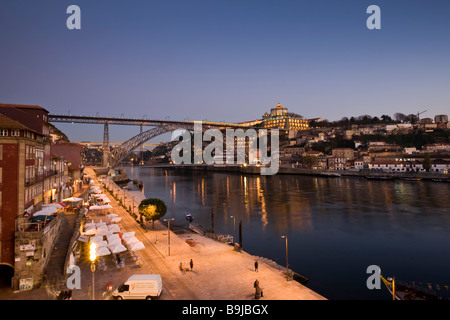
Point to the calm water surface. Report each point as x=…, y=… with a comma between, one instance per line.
x=336, y=227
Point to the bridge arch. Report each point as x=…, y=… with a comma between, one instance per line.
x=130, y=145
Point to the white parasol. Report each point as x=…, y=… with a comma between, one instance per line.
x=114, y=242
x=47, y=211
x=83, y=238
x=128, y=234
x=72, y=199
x=118, y=248
x=112, y=237
x=104, y=232
x=89, y=225
x=91, y=232
x=137, y=246
x=131, y=240
x=102, y=251
x=101, y=243
x=53, y=204
x=114, y=228
x=96, y=239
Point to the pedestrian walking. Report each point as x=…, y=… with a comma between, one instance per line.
x=181, y=268
x=258, y=292
x=256, y=284
x=256, y=265
x=191, y=263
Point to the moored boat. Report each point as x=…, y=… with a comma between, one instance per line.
x=379, y=177
x=189, y=217
x=404, y=291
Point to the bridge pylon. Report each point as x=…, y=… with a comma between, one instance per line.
x=106, y=153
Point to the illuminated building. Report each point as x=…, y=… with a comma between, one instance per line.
x=280, y=118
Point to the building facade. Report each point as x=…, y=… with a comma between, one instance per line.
x=30, y=175
x=280, y=118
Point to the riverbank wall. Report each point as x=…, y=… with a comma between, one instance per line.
x=287, y=170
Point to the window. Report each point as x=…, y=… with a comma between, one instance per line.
x=15, y=133
x=4, y=132
x=123, y=288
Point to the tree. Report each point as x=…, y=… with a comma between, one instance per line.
x=386, y=118
x=152, y=209
x=427, y=162
x=400, y=117
x=309, y=161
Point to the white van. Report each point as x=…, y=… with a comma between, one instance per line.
x=140, y=286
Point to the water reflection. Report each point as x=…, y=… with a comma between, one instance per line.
x=332, y=223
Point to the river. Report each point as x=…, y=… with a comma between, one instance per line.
x=336, y=227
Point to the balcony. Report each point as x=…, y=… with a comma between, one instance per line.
x=41, y=177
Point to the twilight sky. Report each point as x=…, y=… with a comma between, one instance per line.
x=224, y=60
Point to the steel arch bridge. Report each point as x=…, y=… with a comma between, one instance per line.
x=158, y=127
x=126, y=148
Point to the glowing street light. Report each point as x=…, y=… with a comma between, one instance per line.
x=92, y=257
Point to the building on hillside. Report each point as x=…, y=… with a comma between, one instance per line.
x=440, y=166
x=280, y=118
x=337, y=163
x=437, y=147
x=346, y=153
x=359, y=164
x=396, y=166
x=441, y=118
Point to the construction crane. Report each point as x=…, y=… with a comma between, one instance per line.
x=419, y=113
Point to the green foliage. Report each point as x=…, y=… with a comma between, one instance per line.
x=152, y=209
x=404, y=140
x=427, y=162
x=309, y=161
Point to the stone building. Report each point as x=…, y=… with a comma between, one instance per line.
x=30, y=177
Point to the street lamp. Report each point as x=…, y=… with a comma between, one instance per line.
x=234, y=224
x=168, y=232
x=92, y=257
x=287, y=263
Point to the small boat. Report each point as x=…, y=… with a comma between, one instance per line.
x=138, y=183
x=403, y=291
x=379, y=177
x=411, y=179
x=189, y=217
x=440, y=180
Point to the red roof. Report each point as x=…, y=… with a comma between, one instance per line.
x=22, y=106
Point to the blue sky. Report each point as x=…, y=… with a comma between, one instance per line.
x=229, y=60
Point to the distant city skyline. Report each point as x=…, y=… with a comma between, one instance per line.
x=224, y=60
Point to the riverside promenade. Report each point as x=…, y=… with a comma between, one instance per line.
x=219, y=272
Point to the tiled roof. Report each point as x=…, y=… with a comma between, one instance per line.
x=22, y=106
x=8, y=123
